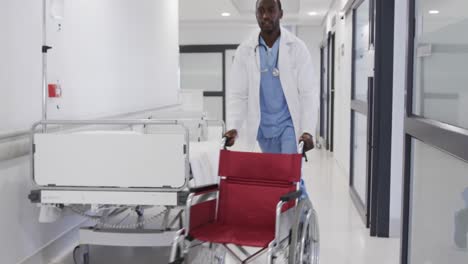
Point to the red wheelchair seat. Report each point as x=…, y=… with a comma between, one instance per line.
x=231, y=234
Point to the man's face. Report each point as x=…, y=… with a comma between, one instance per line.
x=268, y=15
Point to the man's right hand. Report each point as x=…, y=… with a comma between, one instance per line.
x=231, y=136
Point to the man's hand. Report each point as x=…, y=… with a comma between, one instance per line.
x=308, y=141
x=231, y=136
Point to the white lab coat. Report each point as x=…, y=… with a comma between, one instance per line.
x=297, y=80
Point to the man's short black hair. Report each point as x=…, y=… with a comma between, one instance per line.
x=278, y=1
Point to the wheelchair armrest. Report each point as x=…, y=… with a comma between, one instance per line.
x=204, y=189
x=291, y=196
x=203, y=203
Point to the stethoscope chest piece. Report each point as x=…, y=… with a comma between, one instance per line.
x=275, y=72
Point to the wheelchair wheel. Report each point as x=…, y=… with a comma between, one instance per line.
x=82, y=251
x=315, y=239
x=304, y=246
x=310, y=241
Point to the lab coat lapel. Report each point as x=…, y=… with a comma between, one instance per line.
x=287, y=77
x=284, y=62
x=255, y=71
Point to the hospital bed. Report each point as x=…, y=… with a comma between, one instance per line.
x=130, y=177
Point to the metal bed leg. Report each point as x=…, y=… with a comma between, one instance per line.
x=177, y=251
x=85, y=253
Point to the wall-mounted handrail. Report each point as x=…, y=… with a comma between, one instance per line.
x=15, y=144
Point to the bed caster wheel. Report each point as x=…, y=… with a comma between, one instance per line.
x=86, y=258
x=81, y=254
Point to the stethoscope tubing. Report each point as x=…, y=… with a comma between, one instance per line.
x=275, y=69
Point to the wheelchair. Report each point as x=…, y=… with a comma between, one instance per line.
x=257, y=204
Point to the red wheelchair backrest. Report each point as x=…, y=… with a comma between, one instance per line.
x=252, y=185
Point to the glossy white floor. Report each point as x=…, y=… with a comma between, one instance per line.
x=344, y=238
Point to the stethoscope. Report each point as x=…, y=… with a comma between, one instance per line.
x=275, y=71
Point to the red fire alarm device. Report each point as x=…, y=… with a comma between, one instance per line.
x=55, y=90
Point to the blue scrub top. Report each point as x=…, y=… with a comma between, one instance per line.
x=275, y=116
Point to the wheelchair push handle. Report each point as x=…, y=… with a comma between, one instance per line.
x=300, y=150
x=229, y=138
x=300, y=147
x=223, y=142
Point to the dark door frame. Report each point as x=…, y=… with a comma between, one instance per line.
x=332, y=91
x=322, y=88
x=382, y=118
x=448, y=138
x=212, y=49
x=330, y=94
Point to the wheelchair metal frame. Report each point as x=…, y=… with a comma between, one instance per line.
x=300, y=246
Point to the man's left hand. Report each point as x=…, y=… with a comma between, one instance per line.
x=308, y=141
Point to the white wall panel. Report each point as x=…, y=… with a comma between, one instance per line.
x=208, y=34
x=343, y=29
x=111, y=57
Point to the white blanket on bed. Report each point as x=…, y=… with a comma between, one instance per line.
x=204, y=159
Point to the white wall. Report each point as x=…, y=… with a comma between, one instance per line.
x=312, y=36
x=212, y=33
x=123, y=66
x=20, y=66
x=126, y=54
x=108, y=63
x=343, y=55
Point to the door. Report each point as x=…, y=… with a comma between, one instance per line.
x=327, y=91
x=435, y=221
x=362, y=109
x=322, y=92
x=324, y=96
x=204, y=68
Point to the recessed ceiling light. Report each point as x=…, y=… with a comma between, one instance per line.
x=312, y=13
x=434, y=12
x=225, y=14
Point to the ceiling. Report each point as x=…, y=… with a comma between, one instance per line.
x=295, y=11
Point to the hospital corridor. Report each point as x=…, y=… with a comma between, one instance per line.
x=233, y=131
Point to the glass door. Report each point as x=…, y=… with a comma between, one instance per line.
x=203, y=69
x=362, y=108
x=324, y=95
x=435, y=221
x=327, y=91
